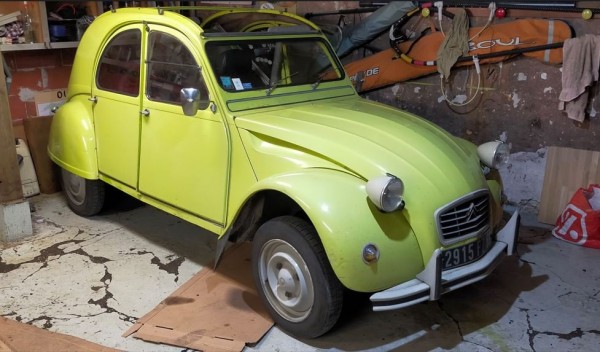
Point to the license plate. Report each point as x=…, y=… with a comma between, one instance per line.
x=455, y=257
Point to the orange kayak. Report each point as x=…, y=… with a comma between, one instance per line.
x=387, y=67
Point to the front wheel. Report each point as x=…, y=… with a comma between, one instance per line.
x=294, y=277
x=85, y=197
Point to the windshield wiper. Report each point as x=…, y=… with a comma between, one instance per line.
x=274, y=85
x=271, y=88
x=324, y=72
x=318, y=81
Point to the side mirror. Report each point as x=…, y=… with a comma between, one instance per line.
x=192, y=100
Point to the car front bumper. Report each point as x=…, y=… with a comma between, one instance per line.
x=432, y=282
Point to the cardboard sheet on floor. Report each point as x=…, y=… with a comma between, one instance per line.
x=19, y=337
x=214, y=311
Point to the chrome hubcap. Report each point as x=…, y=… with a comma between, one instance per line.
x=286, y=280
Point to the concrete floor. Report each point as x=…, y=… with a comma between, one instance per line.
x=92, y=278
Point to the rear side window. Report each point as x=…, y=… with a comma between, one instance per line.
x=171, y=67
x=119, y=68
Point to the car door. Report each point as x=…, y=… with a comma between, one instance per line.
x=183, y=159
x=116, y=93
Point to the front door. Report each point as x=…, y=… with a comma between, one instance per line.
x=117, y=104
x=183, y=159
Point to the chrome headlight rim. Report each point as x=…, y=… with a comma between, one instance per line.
x=493, y=154
x=386, y=192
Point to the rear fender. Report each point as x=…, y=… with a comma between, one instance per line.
x=72, y=142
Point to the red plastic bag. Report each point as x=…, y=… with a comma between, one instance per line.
x=580, y=221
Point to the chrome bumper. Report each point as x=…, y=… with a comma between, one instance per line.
x=432, y=282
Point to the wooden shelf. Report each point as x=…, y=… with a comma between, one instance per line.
x=38, y=13
x=41, y=23
x=61, y=45
x=38, y=46
x=19, y=47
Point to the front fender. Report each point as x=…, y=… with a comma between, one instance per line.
x=346, y=221
x=72, y=143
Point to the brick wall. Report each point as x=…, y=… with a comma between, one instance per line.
x=35, y=71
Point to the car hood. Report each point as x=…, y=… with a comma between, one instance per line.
x=371, y=139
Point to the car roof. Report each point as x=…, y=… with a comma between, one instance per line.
x=231, y=20
x=104, y=25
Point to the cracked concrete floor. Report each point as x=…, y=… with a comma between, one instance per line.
x=92, y=278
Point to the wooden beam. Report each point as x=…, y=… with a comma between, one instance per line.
x=10, y=179
x=512, y=14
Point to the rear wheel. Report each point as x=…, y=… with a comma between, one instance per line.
x=294, y=277
x=85, y=197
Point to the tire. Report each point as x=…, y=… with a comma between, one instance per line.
x=308, y=301
x=85, y=197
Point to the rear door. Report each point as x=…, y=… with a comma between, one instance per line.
x=117, y=106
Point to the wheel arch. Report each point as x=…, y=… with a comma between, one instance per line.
x=336, y=204
x=261, y=207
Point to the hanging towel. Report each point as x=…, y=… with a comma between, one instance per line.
x=581, y=63
x=455, y=44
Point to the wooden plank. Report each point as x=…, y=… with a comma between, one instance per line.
x=37, y=130
x=567, y=170
x=4, y=347
x=10, y=179
x=21, y=337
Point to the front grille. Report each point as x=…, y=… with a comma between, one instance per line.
x=465, y=217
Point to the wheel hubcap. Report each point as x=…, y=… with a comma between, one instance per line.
x=286, y=280
x=74, y=187
x=285, y=283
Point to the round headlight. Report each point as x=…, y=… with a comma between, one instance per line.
x=493, y=154
x=386, y=192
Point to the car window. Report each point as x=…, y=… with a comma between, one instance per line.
x=269, y=63
x=171, y=67
x=119, y=67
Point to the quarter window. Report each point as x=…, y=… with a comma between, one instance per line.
x=119, y=68
x=171, y=67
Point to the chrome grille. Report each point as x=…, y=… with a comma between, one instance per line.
x=464, y=217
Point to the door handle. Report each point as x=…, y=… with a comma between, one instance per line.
x=145, y=112
x=93, y=99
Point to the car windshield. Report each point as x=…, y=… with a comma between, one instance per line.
x=271, y=63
